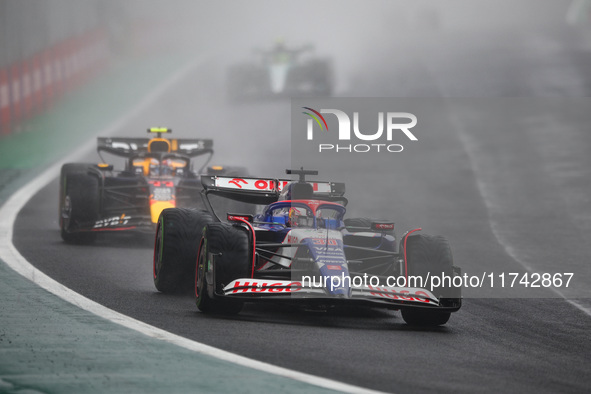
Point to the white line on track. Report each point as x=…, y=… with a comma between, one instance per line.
x=12, y=257
x=468, y=145
x=482, y=188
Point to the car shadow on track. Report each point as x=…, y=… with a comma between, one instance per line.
x=355, y=318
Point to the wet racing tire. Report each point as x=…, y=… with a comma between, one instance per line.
x=428, y=255
x=225, y=254
x=178, y=233
x=79, y=203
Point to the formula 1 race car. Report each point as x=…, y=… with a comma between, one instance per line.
x=300, y=249
x=281, y=73
x=157, y=174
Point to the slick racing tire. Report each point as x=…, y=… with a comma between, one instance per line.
x=428, y=255
x=175, y=248
x=224, y=255
x=79, y=203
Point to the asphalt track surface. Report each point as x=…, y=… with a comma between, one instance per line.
x=492, y=344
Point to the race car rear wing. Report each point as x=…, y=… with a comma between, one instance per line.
x=250, y=190
x=265, y=190
x=130, y=147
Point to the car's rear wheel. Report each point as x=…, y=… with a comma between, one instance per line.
x=224, y=255
x=426, y=256
x=175, y=248
x=79, y=204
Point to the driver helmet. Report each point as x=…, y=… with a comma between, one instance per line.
x=154, y=166
x=298, y=217
x=167, y=167
x=293, y=218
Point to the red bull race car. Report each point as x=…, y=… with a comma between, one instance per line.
x=156, y=173
x=298, y=248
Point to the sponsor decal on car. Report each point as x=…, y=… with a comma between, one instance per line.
x=245, y=184
x=397, y=293
x=112, y=221
x=262, y=286
x=162, y=194
x=324, y=241
x=263, y=184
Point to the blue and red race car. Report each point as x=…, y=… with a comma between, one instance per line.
x=298, y=248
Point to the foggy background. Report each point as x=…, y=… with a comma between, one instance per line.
x=503, y=172
x=356, y=35
x=404, y=49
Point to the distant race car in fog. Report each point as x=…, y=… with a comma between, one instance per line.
x=157, y=174
x=300, y=233
x=281, y=72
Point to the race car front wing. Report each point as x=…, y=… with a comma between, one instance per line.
x=294, y=291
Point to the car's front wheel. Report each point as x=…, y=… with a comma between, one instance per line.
x=224, y=256
x=175, y=248
x=426, y=256
x=79, y=207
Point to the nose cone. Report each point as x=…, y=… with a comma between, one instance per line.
x=156, y=207
x=342, y=292
x=278, y=74
x=338, y=281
